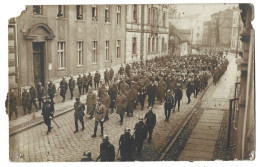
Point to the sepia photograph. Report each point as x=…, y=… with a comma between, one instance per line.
x=131, y=82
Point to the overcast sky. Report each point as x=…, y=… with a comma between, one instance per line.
x=204, y=10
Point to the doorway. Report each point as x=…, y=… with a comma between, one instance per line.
x=38, y=62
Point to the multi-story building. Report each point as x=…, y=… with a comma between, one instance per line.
x=49, y=42
x=146, y=31
x=237, y=29
x=205, y=37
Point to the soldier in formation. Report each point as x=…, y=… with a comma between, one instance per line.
x=25, y=101
x=107, y=150
x=140, y=135
x=51, y=90
x=11, y=104
x=71, y=86
x=150, y=122
x=40, y=93
x=97, y=79
x=91, y=102
x=127, y=146
x=47, y=113
x=63, y=89
x=33, y=96
x=79, y=113
x=168, y=105
x=100, y=111
x=80, y=83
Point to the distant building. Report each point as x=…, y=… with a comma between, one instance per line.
x=147, y=31
x=237, y=29
x=51, y=42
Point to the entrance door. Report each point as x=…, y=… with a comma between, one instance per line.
x=38, y=62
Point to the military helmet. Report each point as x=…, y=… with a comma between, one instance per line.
x=127, y=130
x=105, y=137
x=150, y=108
x=141, y=118
x=77, y=98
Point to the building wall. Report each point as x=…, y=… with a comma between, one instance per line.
x=69, y=30
x=225, y=27
x=237, y=28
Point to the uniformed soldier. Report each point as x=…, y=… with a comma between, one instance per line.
x=100, y=112
x=131, y=100
x=151, y=92
x=161, y=90
x=11, y=104
x=91, y=102
x=126, y=146
x=196, y=86
x=33, y=95
x=71, y=86
x=85, y=84
x=112, y=91
x=111, y=74
x=150, y=122
x=90, y=78
x=88, y=157
x=102, y=90
x=178, y=96
x=51, y=91
x=97, y=79
x=189, y=89
x=107, y=150
x=63, y=89
x=127, y=69
x=142, y=94
x=121, y=103
x=121, y=70
x=140, y=135
x=168, y=105
x=40, y=93
x=106, y=103
x=80, y=83
x=25, y=101
x=47, y=112
x=79, y=113
x=106, y=77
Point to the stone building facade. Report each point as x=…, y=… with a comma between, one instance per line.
x=237, y=29
x=57, y=41
x=146, y=31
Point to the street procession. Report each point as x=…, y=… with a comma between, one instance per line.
x=166, y=79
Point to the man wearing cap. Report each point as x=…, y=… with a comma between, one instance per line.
x=111, y=74
x=51, y=91
x=151, y=92
x=121, y=70
x=100, y=112
x=33, y=95
x=196, y=86
x=112, y=91
x=161, y=90
x=79, y=113
x=97, y=79
x=142, y=93
x=91, y=102
x=178, y=96
x=131, y=100
x=63, y=89
x=189, y=89
x=25, y=100
x=106, y=103
x=85, y=84
x=168, y=105
x=126, y=146
x=140, y=134
x=40, y=92
x=121, y=103
x=47, y=112
x=106, y=77
x=102, y=90
x=80, y=83
x=11, y=104
x=150, y=122
x=107, y=150
x=90, y=78
x=71, y=86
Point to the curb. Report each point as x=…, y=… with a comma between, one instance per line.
x=167, y=148
x=37, y=123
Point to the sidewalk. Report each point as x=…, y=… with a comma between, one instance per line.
x=35, y=118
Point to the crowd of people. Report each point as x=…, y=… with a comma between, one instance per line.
x=163, y=79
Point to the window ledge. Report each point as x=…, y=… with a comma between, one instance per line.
x=79, y=66
x=79, y=20
x=94, y=21
x=108, y=23
x=61, y=18
x=94, y=63
x=38, y=15
x=62, y=69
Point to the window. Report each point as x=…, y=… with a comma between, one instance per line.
x=153, y=16
x=118, y=14
x=135, y=14
x=134, y=45
x=153, y=45
x=149, y=16
x=157, y=43
x=118, y=49
x=79, y=52
x=79, y=9
x=107, y=14
x=164, y=21
x=107, y=51
x=94, y=13
x=37, y=9
x=61, y=54
x=149, y=45
x=94, y=51
x=162, y=44
x=60, y=10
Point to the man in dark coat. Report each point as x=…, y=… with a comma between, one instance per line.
x=106, y=77
x=106, y=103
x=168, y=105
x=121, y=70
x=127, y=69
x=80, y=83
x=131, y=100
x=40, y=92
x=189, y=89
x=85, y=84
x=150, y=122
x=142, y=94
x=107, y=150
x=51, y=91
x=151, y=92
x=161, y=90
x=25, y=101
x=91, y=102
x=140, y=135
x=97, y=79
x=47, y=112
x=33, y=95
x=112, y=92
x=71, y=86
x=111, y=74
x=121, y=103
x=196, y=86
x=79, y=113
x=102, y=90
x=11, y=104
x=90, y=78
x=63, y=89
x=126, y=146
x=178, y=96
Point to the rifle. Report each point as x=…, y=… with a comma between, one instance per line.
x=55, y=122
x=98, y=157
